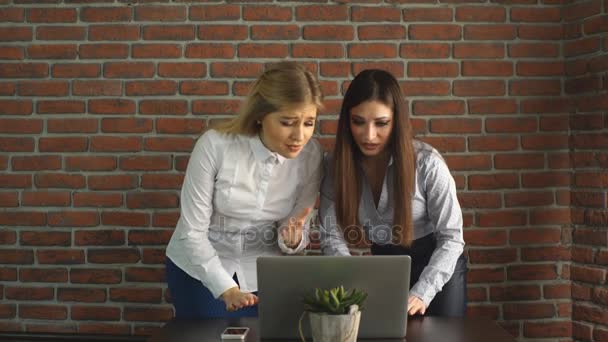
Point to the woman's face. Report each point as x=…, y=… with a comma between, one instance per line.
x=371, y=123
x=287, y=130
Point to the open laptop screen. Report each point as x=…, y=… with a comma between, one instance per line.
x=283, y=280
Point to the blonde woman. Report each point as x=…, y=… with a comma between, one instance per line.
x=248, y=189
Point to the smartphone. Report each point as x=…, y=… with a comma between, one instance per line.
x=235, y=333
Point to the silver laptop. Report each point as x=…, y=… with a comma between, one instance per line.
x=283, y=280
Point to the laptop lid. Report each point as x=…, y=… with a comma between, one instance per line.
x=283, y=280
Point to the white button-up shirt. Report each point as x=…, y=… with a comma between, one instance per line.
x=235, y=194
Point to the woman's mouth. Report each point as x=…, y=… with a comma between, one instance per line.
x=294, y=148
x=370, y=147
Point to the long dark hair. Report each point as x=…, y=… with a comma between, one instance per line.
x=376, y=85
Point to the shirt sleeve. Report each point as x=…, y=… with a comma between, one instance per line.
x=332, y=239
x=196, y=209
x=445, y=213
x=307, y=193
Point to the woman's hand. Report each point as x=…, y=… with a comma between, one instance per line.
x=235, y=299
x=292, y=233
x=415, y=305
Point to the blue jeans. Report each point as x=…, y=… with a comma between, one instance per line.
x=192, y=300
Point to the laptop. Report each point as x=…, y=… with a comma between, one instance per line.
x=283, y=280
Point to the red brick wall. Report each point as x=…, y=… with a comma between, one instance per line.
x=100, y=103
x=587, y=87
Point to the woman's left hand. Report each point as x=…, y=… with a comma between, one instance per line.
x=415, y=305
x=292, y=233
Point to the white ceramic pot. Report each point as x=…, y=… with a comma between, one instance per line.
x=334, y=328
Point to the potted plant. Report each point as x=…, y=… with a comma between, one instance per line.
x=334, y=314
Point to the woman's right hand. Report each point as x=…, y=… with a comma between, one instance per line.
x=235, y=299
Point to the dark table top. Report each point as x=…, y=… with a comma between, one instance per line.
x=419, y=329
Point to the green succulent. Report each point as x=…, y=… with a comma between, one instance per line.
x=335, y=301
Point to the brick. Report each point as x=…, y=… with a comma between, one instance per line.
x=544, y=142
x=144, y=163
x=548, y=329
x=60, y=257
x=481, y=14
x=540, y=50
x=60, y=33
x=35, y=163
x=165, y=219
x=15, y=107
x=545, y=179
x=479, y=50
x=72, y=70
x=444, y=107
x=15, y=34
x=182, y=70
x=51, y=15
x=126, y=125
x=29, y=293
x=43, y=88
x=104, y=329
x=546, y=105
x=111, y=106
x=145, y=274
x=151, y=88
x=381, y=32
x=267, y=13
x=435, y=32
x=222, y=32
x=589, y=314
x=215, y=13
x=113, y=256
x=425, y=88
x=470, y=162
x=532, y=272
x=515, y=293
x=486, y=275
x=487, y=68
x=12, y=15
x=212, y=107
x=583, y=85
x=274, y=32
x=160, y=13
x=375, y=14
x=489, y=32
x=136, y=295
x=492, y=256
x=427, y=14
x=97, y=88
x=156, y=51
x=533, y=87
x=493, y=143
x=511, y=125
x=328, y=32
x=582, y=46
x=114, y=32
x=317, y=51
x=103, y=51
x=23, y=70
x=557, y=291
x=45, y=198
x=59, y=180
x=16, y=144
x=20, y=256
x=20, y=126
x=97, y=200
x=82, y=295
x=167, y=107
x=87, y=313
x=529, y=199
x=62, y=51
x=540, y=32
x=372, y=50
x=8, y=199
x=112, y=182
x=502, y=219
x=455, y=126
x=494, y=181
x=50, y=328
x=528, y=311
x=73, y=219
x=44, y=275
x=321, y=13
x=115, y=144
x=153, y=256
x=479, y=88
x=95, y=276
x=557, y=123
x=127, y=219
x=148, y=237
x=45, y=312
x=165, y=144
x=210, y=50
x=533, y=15
x=72, y=125
x=555, y=253
x=262, y=50
x=424, y=50
x=11, y=52
x=62, y=144
x=596, y=24
x=99, y=238
x=489, y=311
x=169, y=32
x=419, y=69
x=485, y=237
x=89, y=163
x=582, y=254
x=161, y=181
x=106, y=14
x=129, y=70
x=590, y=237
x=179, y=126
x=236, y=69
x=581, y=10
x=142, y=200
x=8, y=274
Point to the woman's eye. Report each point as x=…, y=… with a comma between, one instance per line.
x=309, y=124
x=358, y=123
x=381, y=124
x=286, y=123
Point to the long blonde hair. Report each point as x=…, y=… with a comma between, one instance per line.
x=282, y=85
x=377, y=85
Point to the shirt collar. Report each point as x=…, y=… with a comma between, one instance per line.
x=262, y=153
